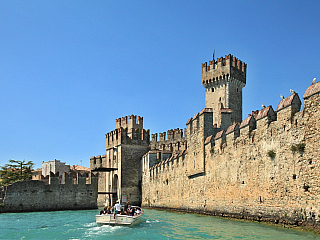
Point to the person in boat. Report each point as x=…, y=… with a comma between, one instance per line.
x=133, y=211
x=123, y=212
x=101, y=212
x=107, y=210
x=117, y=207
x=138, y=211
x=129, y=210
x=126, y=206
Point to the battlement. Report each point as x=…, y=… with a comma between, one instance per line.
x=133, y=136
x=71, y=191
x=222, y=69
x=128, y=122
x=173, y=140
x=172, y=134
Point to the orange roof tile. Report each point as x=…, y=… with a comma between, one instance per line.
x=231, y=128
x=245, y=122
x=311, y=90
x=285, y=102
x=219, y=134
x=263, y=112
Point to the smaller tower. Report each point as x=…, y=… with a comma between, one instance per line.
x=224, y=80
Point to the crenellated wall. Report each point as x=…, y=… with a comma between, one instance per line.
x=51, y=195
x=170, y=141
x=266, y=168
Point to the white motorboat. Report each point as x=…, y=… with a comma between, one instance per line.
x=124, y=220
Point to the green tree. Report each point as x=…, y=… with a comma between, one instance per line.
x=16, y=171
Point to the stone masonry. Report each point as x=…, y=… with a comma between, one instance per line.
x=34, y=195
x=264, y=167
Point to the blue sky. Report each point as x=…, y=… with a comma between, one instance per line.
x=68, y=69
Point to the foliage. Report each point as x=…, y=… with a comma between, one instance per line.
x=294, y=148
x=16, y=171
x=271, y=154
x=298, y=147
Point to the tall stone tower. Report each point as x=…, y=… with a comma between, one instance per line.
x=119, y=169
x=224, y=80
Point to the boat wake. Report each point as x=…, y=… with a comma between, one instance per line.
x=94, y=230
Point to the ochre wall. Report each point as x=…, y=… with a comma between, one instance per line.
x=242, y=180
x=33, y=195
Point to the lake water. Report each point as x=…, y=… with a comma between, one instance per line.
x=155, y=225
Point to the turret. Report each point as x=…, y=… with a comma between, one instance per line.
x=224, y=80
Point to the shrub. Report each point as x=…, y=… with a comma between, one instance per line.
x=271, y=154
x=301, y=147
x=298, y=147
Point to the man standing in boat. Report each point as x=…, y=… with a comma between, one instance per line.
x=117, y=208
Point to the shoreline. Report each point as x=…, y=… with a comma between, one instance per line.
x=303, y=226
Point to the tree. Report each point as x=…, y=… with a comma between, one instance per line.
x=16, y=171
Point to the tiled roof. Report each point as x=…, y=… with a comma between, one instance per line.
x=313, y=89
x=263, y=112
x=195, y=116
x=79, y=168
x=226, y=110
x=245, y=122
x=206, y=110
x=231, y=128
x=285, y=102
x=189, y=121
x=208, y=139
x=219, y=134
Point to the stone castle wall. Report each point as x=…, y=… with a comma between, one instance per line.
x=34, y=195
x=171, y=141
x=267, y=173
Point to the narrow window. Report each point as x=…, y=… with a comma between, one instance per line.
x=212, y=89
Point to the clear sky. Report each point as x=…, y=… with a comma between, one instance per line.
x=68, y=69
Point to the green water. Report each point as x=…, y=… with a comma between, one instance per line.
x=155, y=225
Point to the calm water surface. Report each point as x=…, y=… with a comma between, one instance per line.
x=155, y=225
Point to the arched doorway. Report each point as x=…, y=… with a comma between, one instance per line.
x=114, y=189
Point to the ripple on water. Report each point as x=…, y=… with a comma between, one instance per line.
x=155, y=225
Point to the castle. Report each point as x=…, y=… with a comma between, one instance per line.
x=265, y=167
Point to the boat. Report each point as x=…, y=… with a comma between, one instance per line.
x=118, y=220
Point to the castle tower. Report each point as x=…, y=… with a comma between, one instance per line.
x=224, y=80
x=119, y=169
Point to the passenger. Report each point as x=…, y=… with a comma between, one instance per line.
x=109, y=210
x=133, y=211
x=101, y=212
x=138, y=211
x=129, y=210
x=122, y=212
x=126, y=206
x=105, y=210
x=117, y=207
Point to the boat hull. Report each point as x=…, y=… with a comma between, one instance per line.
x=122, y=220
